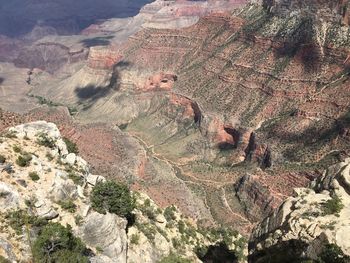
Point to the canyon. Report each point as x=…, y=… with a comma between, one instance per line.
x=219, y=107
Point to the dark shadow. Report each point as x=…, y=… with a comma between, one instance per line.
x=131, y=220
x=299, y=45
x=1, y=80
x=97, y=41
x=218, y=253
x=225, y=146
x=287, y=252
x=91, y=93
x=19, y=17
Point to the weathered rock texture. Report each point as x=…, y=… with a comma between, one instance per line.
x=302, y=225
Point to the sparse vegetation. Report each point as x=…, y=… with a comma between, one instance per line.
x=134, y=239
x=34, y=176
x=112, y=197
x=77, y=179
x=68, y=205
x=332, y=253
x=148, y=230
x=19, y=218
x=49, y=157
x=173, y=258
x=332, y=206
x=24, y=160
x=11, y=134
x=99, y=249
x=45, y=140
x=169, y=213
x=2, y=159
x=78, y=220
x=56, y=243
x=16, y=149
x=71, y=146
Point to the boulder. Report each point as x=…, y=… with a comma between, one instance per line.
x=62, y=188
x=70, y=159
x=106, y=232
x=9, y=198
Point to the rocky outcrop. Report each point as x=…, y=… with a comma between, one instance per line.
x=307, y=222
x=254, y=197
x=47, y=183
x=106, y=232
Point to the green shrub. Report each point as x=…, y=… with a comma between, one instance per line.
x=49, y=157
x=135, y=238
x=78, y=220
x=99, y=249
x=45, y=140
x=68, y=205
x=169, y=213
x=112, y=197
x=332, y=253
x=332, y=206
x=57, y=244
x=34, y=176
x=148, y=230
x=172, y=258
x=77, y=179
x=16, y=149
x=181, y=226
x=2, y=159
x=18, y=218
x=71, y=146
x=24, y=160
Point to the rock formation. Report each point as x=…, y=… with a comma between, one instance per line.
x=42, y=180
x=305, y=224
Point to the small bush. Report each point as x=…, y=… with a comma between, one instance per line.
x=173, y=258
x=169, y=213
x=135, y=238
x=49, y=157
x=332, y=253
x=112, y=197
x=68, y=205
x=16, y=149
x=99, y=249
x=71, y=146
x=34, y=176
x=24, y=160
x=18, y=218
x=77, y=179
x=56, y=243
x=148, y=230
x=45, y=140
x=78, y=220
x=11, y=134
x=332, y=206
x=2, y=159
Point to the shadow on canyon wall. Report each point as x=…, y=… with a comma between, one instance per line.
x=90, y=94
x=97, y=41
x=18, y=17
x=1, y=80
x=219, y=253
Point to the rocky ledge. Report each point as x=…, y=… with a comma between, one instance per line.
x=313, y=225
